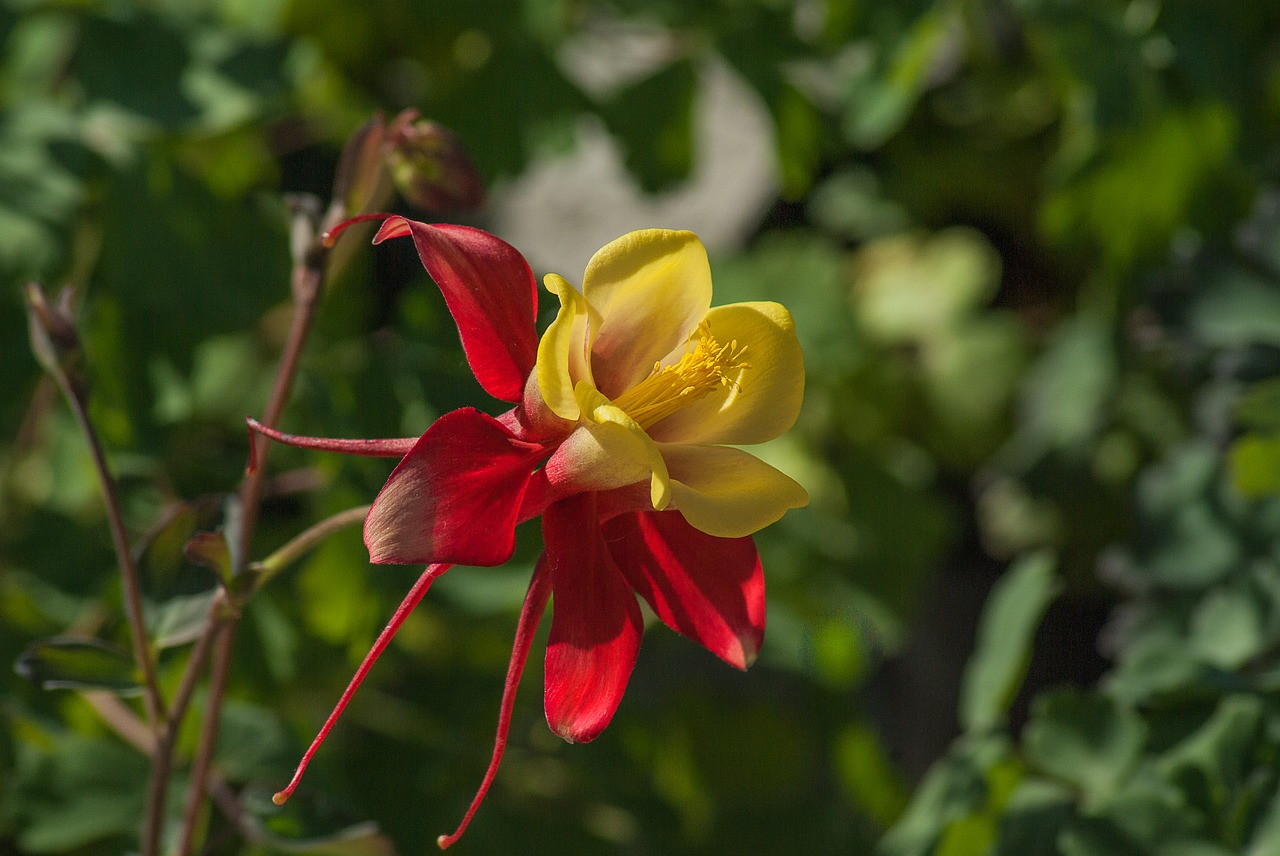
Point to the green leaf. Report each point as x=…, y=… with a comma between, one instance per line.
x=968, y=836
x=1259, y=407
x=308, y=825
x=71, y=791
x=1005, y=635
x=1132, y=200
x=210, y=550
x=1266, y=835
x=1255, y=464
x=1097, y=837
x=160, y=553
x=879, y=101
x=252, y=742
x=1066, y=390
x=1239, y=310
x=955, y=788
x=1228, y=627
x=1196, y=549
x=910, y=288
x=1148, y=808
x=79, y=664
x=1035, y=815
x=152, y=85
x=362, y=839
x=1215, y=762
x=1086, y=739
x=179, y=620
x=868, y=775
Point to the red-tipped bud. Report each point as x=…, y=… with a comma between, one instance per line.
x=429, y=166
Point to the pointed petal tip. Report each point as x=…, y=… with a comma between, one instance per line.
x=330, y=237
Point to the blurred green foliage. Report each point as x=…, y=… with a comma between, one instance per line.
x=1033, y=252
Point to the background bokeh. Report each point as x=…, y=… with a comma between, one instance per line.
x=1033, y=252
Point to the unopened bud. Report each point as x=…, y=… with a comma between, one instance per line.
x=54, y=339
x=429, y=166
x=361, y=182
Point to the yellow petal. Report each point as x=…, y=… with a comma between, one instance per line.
x=728, y=492
x=562, y=351
x=761, y=401
x=651, y=288
x=608, y=450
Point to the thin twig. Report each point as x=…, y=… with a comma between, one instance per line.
x=200, y=767
x=132, y=589
x=124, y=557
x=130, y=727
x=122, y=719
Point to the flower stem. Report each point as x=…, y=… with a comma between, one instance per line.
x=77, y=400
x=300, y=544
x=309, y=258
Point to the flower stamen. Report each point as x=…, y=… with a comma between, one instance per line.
x=704, y=368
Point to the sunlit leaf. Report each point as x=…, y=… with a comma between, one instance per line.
x=1255, y=464
x=1005, y=635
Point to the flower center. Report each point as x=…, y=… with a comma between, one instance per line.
x=705, y=367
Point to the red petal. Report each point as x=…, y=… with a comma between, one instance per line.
x=595, y=624
x=455, y=497
x=491, y=293
x=710, y=589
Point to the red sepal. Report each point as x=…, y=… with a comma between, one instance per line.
x=455, y=497
x=394, y=448
x=491, y=294
x=595, y=624
x=709, y=589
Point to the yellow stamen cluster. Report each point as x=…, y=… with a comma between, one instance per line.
x=705, y=367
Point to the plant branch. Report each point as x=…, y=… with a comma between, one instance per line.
x=124, y=557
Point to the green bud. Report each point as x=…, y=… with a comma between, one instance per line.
x=429, y=166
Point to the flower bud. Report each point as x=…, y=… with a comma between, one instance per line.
x=429, y=166
x=361, y=182
x=54, y=339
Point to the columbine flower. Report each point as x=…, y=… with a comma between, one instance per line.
x=618, y=439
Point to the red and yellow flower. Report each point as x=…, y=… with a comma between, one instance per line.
x=627, y=414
